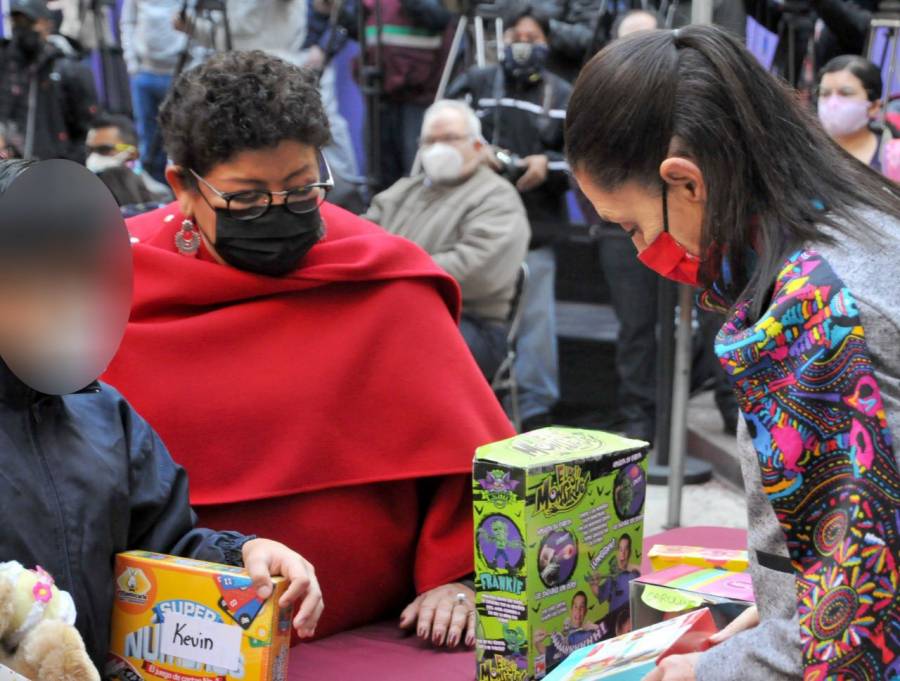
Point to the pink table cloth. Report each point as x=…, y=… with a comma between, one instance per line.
x=381, y=652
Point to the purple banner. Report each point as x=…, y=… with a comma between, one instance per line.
x=761, y=42
x=881, y=57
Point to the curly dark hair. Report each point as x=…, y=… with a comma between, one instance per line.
x=237, y=101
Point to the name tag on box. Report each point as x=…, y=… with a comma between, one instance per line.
x=200, y=640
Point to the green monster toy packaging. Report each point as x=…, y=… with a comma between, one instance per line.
x=558, y=532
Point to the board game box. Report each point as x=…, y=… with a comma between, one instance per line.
x=558, y=532
x=679, y=589
x=179, y=619
x=632, y=656
x=663, y=556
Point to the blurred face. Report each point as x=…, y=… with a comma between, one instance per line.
x=65, y=277
x=579, y=610
x=450, y=127
x=526, y=30
x=843, y=84
x=844, y=107
x=623, y=555
x=636, y=23
x=639, y=210
x=108, y=142
x=289, y=165
x=43, y=27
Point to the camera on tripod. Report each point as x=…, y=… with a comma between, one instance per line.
x=209, y=6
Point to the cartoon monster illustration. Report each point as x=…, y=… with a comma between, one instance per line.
x=624, y=497
x=499, y=486
x=515, y=639
x=498, y=536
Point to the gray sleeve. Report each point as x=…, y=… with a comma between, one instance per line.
x=127, y=24
x=768, y=652
x=492, y=244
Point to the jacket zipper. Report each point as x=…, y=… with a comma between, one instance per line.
x=33, y=421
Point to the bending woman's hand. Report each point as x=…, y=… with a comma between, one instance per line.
x=746, y=620
x=264, y=558
x=443, y=616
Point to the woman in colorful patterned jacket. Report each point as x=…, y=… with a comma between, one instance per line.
x=719, y=176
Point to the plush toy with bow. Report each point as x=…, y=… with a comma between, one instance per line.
x=38, y=638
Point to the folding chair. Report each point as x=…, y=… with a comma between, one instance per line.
x=506, y=381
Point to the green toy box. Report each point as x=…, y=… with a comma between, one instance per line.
x=558, y=532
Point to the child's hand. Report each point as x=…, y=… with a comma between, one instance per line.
x=264, y=558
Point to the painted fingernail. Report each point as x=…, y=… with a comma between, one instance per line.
x=470, y=640
x=452, y=640
x=438, y=638
x=422, y=632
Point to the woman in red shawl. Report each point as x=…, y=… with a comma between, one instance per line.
x=302, y=364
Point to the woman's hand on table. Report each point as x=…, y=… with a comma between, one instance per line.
x=264, y=558
x=675, y=668
x=442, y=617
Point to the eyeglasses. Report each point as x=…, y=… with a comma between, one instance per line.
x=445, y=139
x=109, y=149
x=254, y=203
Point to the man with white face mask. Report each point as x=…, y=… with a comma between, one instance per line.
x=112, y=154
x=468, y=218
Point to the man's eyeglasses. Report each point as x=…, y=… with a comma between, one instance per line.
x=109, y=149
x=251, y=204
x=445, y=139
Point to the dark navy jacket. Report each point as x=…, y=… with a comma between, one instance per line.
x=83, y=477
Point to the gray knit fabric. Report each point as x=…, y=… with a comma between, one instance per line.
x=870, y=268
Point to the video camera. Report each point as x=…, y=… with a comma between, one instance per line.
x=510, y=165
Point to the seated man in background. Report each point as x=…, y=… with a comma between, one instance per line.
x=468, y=218
x=112, y=143
x=522, y=107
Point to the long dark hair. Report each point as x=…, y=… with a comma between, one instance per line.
x=773, y=176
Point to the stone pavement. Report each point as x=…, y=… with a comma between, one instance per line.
x=718, y=502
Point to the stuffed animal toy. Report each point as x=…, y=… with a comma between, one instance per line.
x=38, y=638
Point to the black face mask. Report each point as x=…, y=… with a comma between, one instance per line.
x=273, y=245
x=27, y=41
x=525, y=61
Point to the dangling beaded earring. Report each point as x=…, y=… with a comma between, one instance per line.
x=187, y=239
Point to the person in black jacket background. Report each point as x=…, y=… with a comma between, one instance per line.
x=522, y=107
x=414, y=44
x=84, y=476
x=581, y=28
x=845, y=27
x=63, y=97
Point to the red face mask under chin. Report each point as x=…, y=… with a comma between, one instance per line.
x=667, y=257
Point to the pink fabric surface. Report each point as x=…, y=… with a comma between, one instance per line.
x=375, y=653
x=381, y=652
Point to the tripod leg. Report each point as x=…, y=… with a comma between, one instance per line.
x=479, y=42
x=452, y=56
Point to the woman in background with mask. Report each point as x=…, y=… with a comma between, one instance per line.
x=718, y=174
x=850, y=89
x=304, y=366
